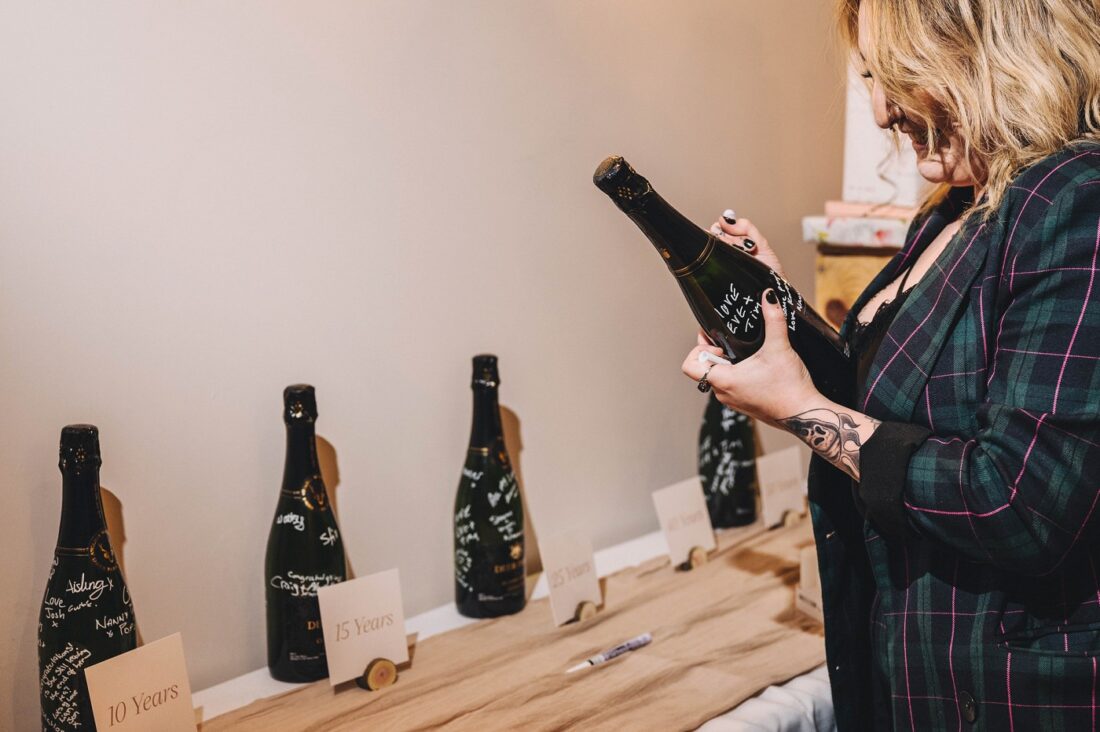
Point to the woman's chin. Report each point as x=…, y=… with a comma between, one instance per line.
x=932, y=171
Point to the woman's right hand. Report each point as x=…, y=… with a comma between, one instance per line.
x=742, y=234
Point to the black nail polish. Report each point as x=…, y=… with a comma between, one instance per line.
x=729, y=220
x=750, y=244
x=772, y=298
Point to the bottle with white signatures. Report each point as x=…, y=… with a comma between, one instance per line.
x=723, y=285
x=86, y=615
x=727, y=465
x=490, y=572
x=304, y=550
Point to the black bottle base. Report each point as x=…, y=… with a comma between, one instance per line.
x=473, y=609
x=727, y=519
x=293, y=675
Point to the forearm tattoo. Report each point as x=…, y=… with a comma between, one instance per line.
x=835, y=436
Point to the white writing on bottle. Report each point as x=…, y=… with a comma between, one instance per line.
x=739, y=312
x=788, y=298
x=94, y=588
x=509, y=486
x=466, y=533
x=296, y=520
x=304, y=585
x=123, y=622
x=505, y=524
x=58, y=685
x=463, y=562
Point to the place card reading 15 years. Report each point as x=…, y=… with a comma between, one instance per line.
x=363, y=619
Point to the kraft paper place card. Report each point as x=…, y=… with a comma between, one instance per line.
x=682, y=513
x=570, y=572
x=143, y=690
x=782, y=480
x=362, y=619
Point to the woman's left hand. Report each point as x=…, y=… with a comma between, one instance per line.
x=772, y=384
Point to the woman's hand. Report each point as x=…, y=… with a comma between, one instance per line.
x=772, y=384
x=742, y=234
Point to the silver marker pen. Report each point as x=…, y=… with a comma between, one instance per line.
x=705, y=356
x=630, y=645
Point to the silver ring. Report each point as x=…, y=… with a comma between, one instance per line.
x=704, y=385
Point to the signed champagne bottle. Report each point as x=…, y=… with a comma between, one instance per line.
x=489, y=551
x=304, y=550
x=727, y=465
x=723, y=285
x=86, y=616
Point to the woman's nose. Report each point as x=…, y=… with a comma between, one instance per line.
x=886, y=113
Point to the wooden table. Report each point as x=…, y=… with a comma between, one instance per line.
x=721, y=633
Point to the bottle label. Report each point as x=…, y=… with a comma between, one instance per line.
x=305, y=642
x=102, y=555
x=491, y=573
x=98, y=551
x=312, y=494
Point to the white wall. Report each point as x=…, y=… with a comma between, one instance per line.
x=202, y=202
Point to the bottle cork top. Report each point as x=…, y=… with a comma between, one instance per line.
x=617, y=179
x=299, y=403
x=79, y=447
x=485, y=371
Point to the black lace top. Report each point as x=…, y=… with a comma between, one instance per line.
x=867, y=337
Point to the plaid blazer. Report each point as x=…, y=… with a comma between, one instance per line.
x=961, y=576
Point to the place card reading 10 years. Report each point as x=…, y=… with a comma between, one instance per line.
x=143, y=690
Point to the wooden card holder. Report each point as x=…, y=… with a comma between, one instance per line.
x=379, y=673
x=585, y=610
x=697, y=557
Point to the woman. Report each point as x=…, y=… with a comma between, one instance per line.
x=956, y=504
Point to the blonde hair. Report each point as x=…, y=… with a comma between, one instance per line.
x=1018, y=80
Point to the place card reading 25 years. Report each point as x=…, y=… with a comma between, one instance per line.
x=682, y=512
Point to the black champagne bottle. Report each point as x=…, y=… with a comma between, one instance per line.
x=86, y=616
x=304, y=550
x=490, y=572
x=723, y=285
x=727, y=465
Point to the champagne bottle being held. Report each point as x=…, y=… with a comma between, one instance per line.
x=86, y=615
x=304, y=550
x=489, y=550
x=723, y=285
x=727, y=465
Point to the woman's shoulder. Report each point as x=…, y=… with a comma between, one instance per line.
x=1073, y=165
x=1048, y=219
